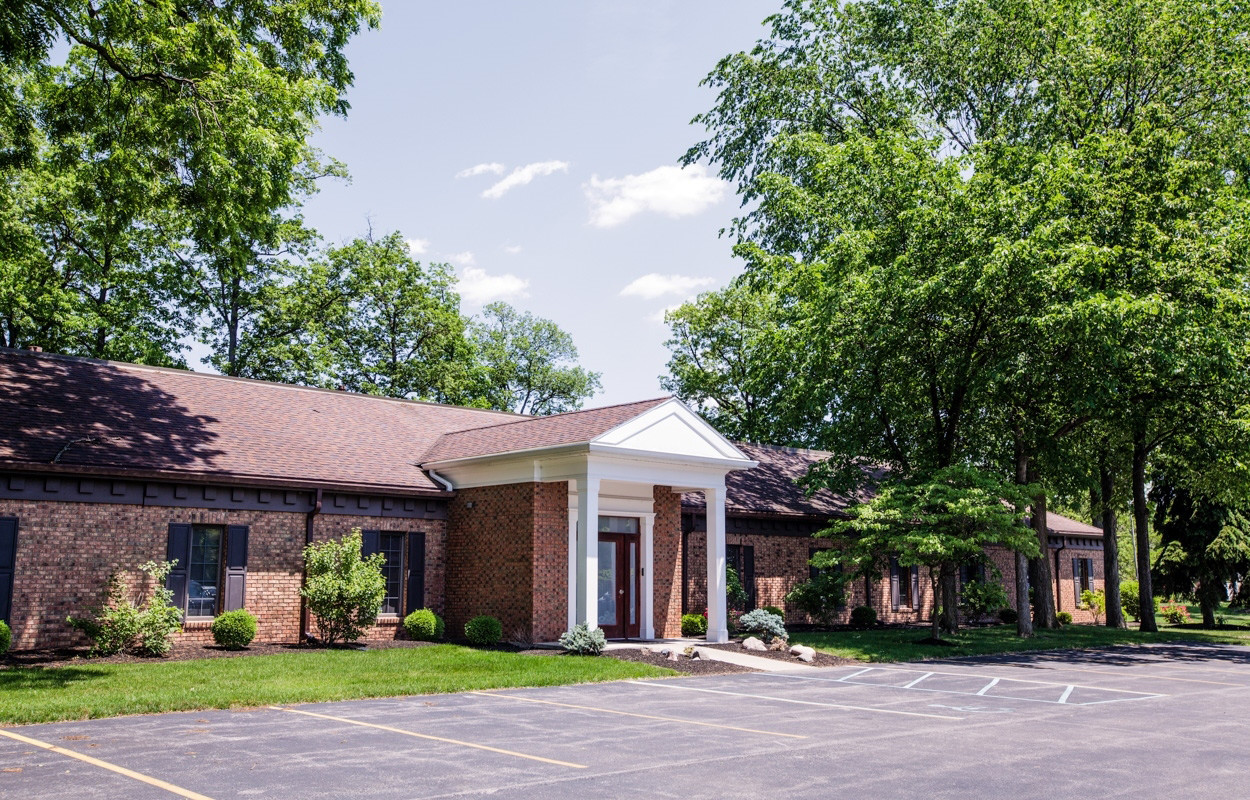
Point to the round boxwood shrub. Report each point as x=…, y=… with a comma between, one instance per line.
x=440, y=627
x=483, y=630
x=234, y=630
x=1064, y=618
x=693, y=625
x=1008, y=616
x=863, y=617
x=422, y=625
x=6, y=637
x=774, y=610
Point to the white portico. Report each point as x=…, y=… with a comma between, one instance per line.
x=612, y=459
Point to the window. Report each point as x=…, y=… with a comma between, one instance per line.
x=391, y=545
x=618, y=525
x=905, y=597
x=1084, y=576
x=204, y=570
x=742, y=558
x=904, y=585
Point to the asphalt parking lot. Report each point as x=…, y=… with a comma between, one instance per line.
x=1168, y=720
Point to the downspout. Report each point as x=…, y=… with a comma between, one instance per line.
x=1063, y=545
x=446, y=483
x=308, y=538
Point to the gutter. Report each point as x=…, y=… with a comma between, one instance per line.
x=308, y=537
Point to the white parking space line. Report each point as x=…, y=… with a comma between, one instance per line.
x=984, y=691
x=660, y=685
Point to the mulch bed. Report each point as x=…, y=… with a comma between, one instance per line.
x=687, y=666
x=820, y=660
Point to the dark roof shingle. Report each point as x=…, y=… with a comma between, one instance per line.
x=102, y=416
x=574, y=427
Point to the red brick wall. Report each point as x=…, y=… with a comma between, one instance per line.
x=551, y=561
x=66, y=552
x=1066, y=598
x=666, y=562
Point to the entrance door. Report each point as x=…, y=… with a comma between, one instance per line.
x=620, y=585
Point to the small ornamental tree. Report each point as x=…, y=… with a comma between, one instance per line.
x=939, y=521
x=819, y=597
x=343, y=590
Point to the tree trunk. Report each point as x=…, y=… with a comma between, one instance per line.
x=1141, y=521
x=935, y=617
x=1024, y=624
x=1110, y=547
x=950, y=599
x=1208, y=614
x=1044, y=590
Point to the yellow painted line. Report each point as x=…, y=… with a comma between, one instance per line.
x=660, y=685
x=444, y=740
x=95, y=762
x=640, y=716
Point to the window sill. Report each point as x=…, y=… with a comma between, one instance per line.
x=388, y=619
x=197, y=623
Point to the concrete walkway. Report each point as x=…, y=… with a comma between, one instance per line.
x=761, y=663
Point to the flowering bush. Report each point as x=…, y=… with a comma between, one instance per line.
x=1176, y=614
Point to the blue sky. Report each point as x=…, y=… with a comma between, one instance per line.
x=535, y=146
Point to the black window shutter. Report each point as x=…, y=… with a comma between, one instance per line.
x=236, y=567
x=748, y=574
x=915, y=586
x=370, y=543
x=894, y=583
x=8, y=564
x=1076, y=582
x=416, y=572
x=178, y=550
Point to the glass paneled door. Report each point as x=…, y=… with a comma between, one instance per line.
x=620, y=577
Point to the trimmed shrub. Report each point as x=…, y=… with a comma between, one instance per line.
x=735, y=593
x=774, y=610
x=422, y=625
x=483, y=631
x=1177, y=614
x=1064, y=618
x=120, y=624
x=6, y=637
x=863, y=617
x=1095, y=602
x=234, y=630
x=343, y=590
x=980, y=599
x=440, y=627
x=1008, y=616
x=693, y=625
x=584, y=641
x=1130, y=602
x=765, y=624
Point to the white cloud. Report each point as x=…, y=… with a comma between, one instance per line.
x=512, y=249
x=463, y=259
x=479, y=288
x=493, y=168
x=671, y=191
x=418, y=246
x=523, y=175
x=653, y=285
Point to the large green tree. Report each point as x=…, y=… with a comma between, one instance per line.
x=528, y=365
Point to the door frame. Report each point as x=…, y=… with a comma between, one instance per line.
x=622, y=629
x=647, y=599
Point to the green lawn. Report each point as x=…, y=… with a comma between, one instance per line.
x=900, y=644
x=45, y=694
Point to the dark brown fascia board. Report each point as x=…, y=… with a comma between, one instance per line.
x=221, y=478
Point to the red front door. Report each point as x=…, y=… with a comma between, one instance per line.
x=620, y=585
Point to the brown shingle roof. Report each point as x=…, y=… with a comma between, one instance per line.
x=772, y=488
x=105, y=416
x=574, y=427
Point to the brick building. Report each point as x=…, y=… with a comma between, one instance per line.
x=104, y=466
x=769, y=522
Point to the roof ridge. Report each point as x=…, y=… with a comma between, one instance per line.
x=237, y=379
x=551, y=416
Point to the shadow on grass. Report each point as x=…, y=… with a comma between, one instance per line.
x=39, y=678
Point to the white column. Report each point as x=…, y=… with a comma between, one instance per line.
x=588, y=550
x=648, y=588
x=717, y=612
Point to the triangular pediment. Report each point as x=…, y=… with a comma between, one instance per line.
x=671, y=429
